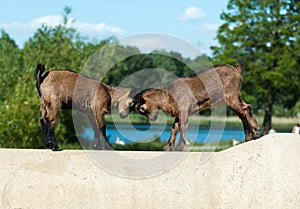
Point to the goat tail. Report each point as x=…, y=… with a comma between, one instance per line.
x=240, y=65
x=40, y=68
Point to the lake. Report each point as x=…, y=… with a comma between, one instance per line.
x=130, y=133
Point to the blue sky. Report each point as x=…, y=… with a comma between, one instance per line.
x=195, y=21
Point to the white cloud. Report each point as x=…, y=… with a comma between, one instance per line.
x=97, y=28
x=18, y=29
x=212, y=26
x=51, y=20
x=193, y=14
x=149, y=42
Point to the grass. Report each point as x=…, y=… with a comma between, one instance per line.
x=154, y=145
x=157, y=145
x=209, y=147
x=70, y=146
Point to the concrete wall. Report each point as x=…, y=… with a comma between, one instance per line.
x=260, y=174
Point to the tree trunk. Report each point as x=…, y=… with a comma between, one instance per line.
x=267, y=123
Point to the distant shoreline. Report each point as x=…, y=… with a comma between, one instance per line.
x=281, y=124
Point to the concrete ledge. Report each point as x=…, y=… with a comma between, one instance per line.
x=260, y=174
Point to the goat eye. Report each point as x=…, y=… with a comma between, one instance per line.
x=142, y=109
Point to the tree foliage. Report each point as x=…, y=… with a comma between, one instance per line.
x=10, y=68
x=266, y=35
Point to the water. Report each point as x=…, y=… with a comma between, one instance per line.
x=146, y=133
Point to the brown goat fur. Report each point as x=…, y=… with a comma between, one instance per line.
x=65, y=89
x=185, y=96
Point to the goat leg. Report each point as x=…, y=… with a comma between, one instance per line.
x=101, y=124
x=105, y=143
x=97, y=144
x=253, y=123
x=174, y=131
x=52, y=143
x=49, y=135
x=181, y=143
x=182, y=139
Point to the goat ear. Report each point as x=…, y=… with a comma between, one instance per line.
x=138, y=98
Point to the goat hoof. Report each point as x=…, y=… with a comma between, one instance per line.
x=52, y=145
x=255, y=136
x=107, y=146
x=56, y=148
x=168, y=147
x=97, y=147
x=179, y=147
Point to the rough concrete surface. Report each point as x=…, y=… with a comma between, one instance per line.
x=259, y=174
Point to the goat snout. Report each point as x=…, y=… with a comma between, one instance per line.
x=152, y=116
x=123, y=114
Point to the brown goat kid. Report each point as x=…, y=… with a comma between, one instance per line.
x=185, y=96
x=65, y=89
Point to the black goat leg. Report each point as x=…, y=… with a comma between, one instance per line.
x=49, y=135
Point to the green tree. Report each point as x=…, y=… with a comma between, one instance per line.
x=265, y=34
x=11, y=64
